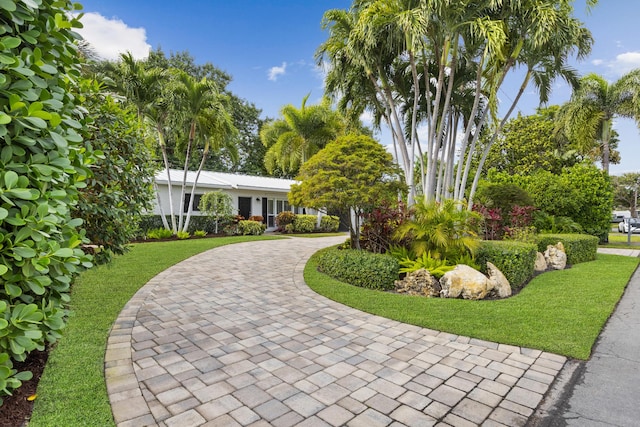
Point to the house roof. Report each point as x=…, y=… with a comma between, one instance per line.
x=221, y=180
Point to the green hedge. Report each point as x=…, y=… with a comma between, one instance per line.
x=251, y=228
x=516, y=260
x=304, y=223
x=579, y=247
x=329, y=223
x=197, y=222
x=360, y=268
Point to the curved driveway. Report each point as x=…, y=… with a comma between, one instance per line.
x=234, y=337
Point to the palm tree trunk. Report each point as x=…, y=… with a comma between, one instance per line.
x=193, y=187
x=192, y=133
x=165, y=159
x=606, y=148
x=162, y=216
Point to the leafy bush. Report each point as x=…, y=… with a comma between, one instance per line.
x=360, y=268
x=43, y=165
x=258, y=218
x=380, y=225
x=253, y=228
x=329, y=223
x=437, y=267
x=304, y=223
x=200, y=233
x=550, y=224
x=503, y=196
x=516, y=260
x=579, y=247
x=159, y=233
x=183, y=235
x=197, y=222
x=283, y=219
x=217, y=205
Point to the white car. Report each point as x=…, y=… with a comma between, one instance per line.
x=634, y=223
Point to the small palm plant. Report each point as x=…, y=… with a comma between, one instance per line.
x=444, y=229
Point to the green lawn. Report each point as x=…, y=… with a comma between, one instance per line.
x=72, y=390
x=560, y=312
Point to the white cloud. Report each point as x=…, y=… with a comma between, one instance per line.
x=626, y=62
x=111, y=37
x=597, y=62
x=366, y=118
x=274, y=72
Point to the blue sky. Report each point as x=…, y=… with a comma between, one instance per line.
x=268, y=47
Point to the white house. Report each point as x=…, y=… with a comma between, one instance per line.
x=252, y=195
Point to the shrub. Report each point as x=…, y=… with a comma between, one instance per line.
x=249, y=227
x=200, y=233
x=304, y=223
x=258, y=218
x=159, y=233
x=183, y=235
x=515, y=260
x=579, y=247
x=284, y=218
x=329, y=223
x=380, y=225
x=197, y=222
x=360, y=268
x=437, y=267
x=503, y=196
x=550, y=224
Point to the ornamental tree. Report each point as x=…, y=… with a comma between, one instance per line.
x=216, y=204
x=353, y=174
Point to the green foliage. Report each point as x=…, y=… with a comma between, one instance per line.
x=159, y=233
x=43, y=165
x=437, y=267
x=503, y=196
x=360, y=268
x=182, y=235
x=582, y=193
x=545, y=223
x=216, y=204
x=329, y=223
x=119, y=189
x=515, y=260
x=197, y=222
x=200, y=233
x=578, y=247
x=304, y=223
x=250, y=228
x=10, y=379
x=444, y=229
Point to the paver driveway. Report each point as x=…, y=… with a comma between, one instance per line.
x=233, y=336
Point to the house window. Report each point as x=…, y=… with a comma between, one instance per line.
x=274, y=207
x=196, y=202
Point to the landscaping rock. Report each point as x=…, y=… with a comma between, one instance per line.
x=541, y=263
x=463, y=281
x=497, y=285
x=419, y=282
x=556, y=257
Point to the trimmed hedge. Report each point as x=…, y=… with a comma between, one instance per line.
x=516, y=260
x=304, y=223
x=252, y=228
x=197, y=222
x=360, y=268
x=579, y=247
x=329, y=223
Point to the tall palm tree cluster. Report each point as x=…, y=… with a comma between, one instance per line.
x=172, y=104
x=431, y=71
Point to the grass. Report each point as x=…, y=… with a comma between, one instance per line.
x=560, y=312
x=72, y=389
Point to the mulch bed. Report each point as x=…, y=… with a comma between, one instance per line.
x=16, y=409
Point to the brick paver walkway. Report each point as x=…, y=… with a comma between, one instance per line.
x=233, y=337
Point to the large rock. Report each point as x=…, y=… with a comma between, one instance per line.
x=463, y=281
x=497, y=284
x=419, y=282
x=541, y=263
x=556, y=257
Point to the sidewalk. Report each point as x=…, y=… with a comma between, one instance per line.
x=605, y=390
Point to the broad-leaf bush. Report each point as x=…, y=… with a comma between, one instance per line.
x=329, y=223
x=304, y=223
x=251, y=228
x=43, y=165
x=360, y=268
x=516, y=260
x=578, y=247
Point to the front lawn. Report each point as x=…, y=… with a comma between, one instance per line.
x=72, y=390
x=560, y=312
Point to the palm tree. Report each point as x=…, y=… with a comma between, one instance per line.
x=588, y=117
x=299, y=134
x=202, y=112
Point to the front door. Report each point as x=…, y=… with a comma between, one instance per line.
x=244, y=207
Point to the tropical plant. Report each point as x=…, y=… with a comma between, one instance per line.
x=159, y=233
x=443, y=229
x=43, y=166
x=250, y=228
x=216, y=204
x=354, y=173
x=440, y=64
x=435, y=266
x=298, y=135
x=588, y=117
x=182, y=235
